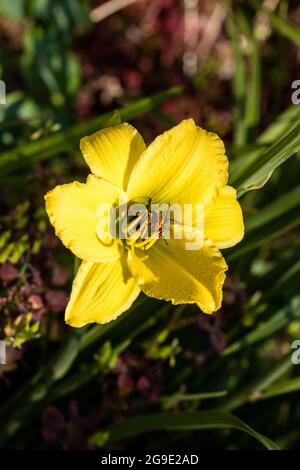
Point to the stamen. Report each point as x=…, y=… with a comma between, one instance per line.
x=145, y=228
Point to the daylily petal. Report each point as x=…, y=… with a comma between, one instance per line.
x=101, y=292
x=171, y=272
x=223, y=222
x=112, y=152
x=73, y=210
x=185, y=165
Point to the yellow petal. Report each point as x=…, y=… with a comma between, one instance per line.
x=223, y=222
x=73, y=210
x=171, y=272
x=112, y=152
x=185, y=165
x=101, y=292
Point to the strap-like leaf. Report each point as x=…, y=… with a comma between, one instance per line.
x=184, y=421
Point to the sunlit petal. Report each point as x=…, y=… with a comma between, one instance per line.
x=73, y=210
x=112, y=152
x=101, y=292
x=223, y=222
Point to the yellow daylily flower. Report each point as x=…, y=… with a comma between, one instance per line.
x=185, y=165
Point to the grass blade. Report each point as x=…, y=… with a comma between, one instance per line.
x=276, y=209
x=184, y=421
x=239, y=82
x=252, y=392
x=281, y=25
x=266, y=329
x=283, y=388
x=253, y=92
x=243, y=158
x=68, y=139
x=259, y=172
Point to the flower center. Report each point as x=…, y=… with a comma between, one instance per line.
x=140, y=226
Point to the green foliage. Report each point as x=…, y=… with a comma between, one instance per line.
x=239, y=361
x=21, y=331
x=185, y=421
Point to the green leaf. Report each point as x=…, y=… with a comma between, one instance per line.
x=19, y=407
x=184, y=421
x=252, y=392
x=283, y=388
x=243, y=158
x=274, y=210
x=66, y=356
x=253, y=78
x=277, y=322
x=172, y=399
x=68, y=139
x=281, y=25
x=239, y=82
x=271, y=222
x=264, y=235
x=261, y=169
x=121, y=332
x=286, y=281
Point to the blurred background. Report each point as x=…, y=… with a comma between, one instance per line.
x=230, y=65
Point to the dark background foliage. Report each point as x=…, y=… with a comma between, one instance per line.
x=232, y=65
